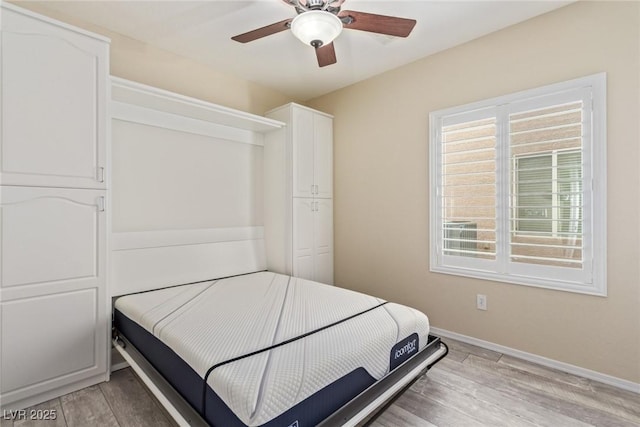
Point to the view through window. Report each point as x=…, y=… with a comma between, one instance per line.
x=513, y=186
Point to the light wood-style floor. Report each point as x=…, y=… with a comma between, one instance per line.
x=471, y=387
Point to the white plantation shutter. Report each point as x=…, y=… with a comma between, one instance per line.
x=513, y=196
x=546, y=211
x=570, y=192
x=469, y=188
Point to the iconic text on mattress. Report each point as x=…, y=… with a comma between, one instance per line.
x=408, y=348
x=403, y=351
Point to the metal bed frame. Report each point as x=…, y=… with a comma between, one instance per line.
x=361, y=410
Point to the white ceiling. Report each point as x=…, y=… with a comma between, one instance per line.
x=201, y=30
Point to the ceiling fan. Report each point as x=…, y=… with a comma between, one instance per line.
x=319, y=22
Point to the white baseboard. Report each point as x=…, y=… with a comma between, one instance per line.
x=540, y=360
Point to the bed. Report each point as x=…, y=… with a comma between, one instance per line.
x=217, y=338
x=265, y=349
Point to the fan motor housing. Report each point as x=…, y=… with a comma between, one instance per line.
x=315, y=4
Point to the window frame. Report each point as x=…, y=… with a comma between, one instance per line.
x=592, y=279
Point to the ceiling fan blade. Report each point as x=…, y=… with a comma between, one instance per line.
x=326, y=55
x=263, y=31
x=381, y=24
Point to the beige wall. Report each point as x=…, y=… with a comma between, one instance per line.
x=381, y=183
x=143, y=63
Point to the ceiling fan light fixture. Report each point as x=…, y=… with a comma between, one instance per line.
x=316, y=27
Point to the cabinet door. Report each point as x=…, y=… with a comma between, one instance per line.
x=323, y=155
x=323, y=241
x=53, y=314
x=50, y=341
x=50, y=235
x=54, y=94
x=303, y=152
x=303, y=246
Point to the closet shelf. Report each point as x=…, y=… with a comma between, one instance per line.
x=126, y=91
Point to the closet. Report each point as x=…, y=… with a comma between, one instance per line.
x=299, y=194
x=53, y=209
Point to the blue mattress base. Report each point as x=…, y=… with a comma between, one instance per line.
x=309, y=412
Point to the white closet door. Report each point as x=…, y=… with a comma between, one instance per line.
x=303, y=135
x=50, y=235
x=323, y=241
x=53, y=310
x=49, y=341
x=323, y=155
x=303, y=246
x=54, y=95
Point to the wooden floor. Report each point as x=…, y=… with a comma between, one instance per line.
x=471, y=387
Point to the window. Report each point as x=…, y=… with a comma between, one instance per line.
x=518, y=190
x=548, y=193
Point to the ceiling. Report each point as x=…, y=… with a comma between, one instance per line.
x=202, y=30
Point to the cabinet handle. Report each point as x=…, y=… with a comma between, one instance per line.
x=316, y=189
x=100, y=204
x=312, y=186
x=100, y=174
x=316, y=206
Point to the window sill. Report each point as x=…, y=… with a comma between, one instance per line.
x=524, y=281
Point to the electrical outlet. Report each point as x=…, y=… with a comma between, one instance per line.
x=481, y=302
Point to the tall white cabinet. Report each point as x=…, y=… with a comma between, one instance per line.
x=54, y=320
x=298, y=212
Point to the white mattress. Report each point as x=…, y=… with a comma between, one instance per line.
x=209, y=323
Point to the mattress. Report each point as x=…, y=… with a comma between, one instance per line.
x=267, y=349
